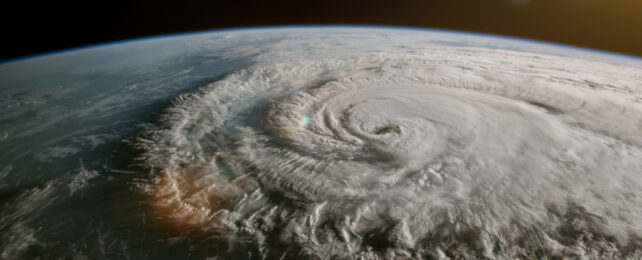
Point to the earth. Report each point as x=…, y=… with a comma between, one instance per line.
x=322, y=143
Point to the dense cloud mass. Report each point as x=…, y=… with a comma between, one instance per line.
x=439, y=152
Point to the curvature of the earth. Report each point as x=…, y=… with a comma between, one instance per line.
x=322, y=143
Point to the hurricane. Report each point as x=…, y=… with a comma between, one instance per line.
x=322, y=143
x=444, y=152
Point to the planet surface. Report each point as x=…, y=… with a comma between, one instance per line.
x=322, y=143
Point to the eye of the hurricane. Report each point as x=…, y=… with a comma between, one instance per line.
x=387, y=130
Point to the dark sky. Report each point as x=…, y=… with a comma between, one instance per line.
x=32, y=27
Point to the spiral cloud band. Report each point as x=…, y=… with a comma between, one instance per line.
x=442, y=152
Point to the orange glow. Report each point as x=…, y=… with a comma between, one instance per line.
x=187, y=200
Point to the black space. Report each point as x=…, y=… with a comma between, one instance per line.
x=39, y=27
